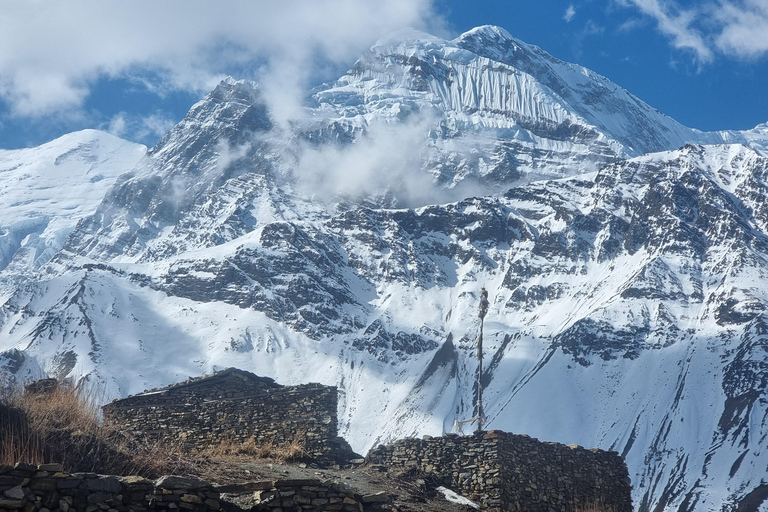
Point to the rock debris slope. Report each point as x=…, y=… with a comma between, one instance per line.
x=628, y=288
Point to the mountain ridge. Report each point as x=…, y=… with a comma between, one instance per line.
x=627, y=295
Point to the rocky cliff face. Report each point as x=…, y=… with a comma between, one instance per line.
x=627, y=296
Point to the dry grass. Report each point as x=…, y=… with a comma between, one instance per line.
x=30, y=421
x=595, y=507
x=18, y=441
x=294, y=451
x=229, y=448
x=598, y=507
x=63, y=426
x=67, y=406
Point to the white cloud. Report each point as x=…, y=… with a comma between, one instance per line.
x=744, y=28
x=117, y=125
x=387, y=159
x=156, y=125
x=139, y=128
x=631, y=24
x=570, y=12
x=52, y=52
x=730, y=28
x=677, y=24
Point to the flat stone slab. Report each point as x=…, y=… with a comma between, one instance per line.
x=105, y=483
x=11, y=504
x=180, y=482
x=261, y=485
x=379, y=497
x=296, y=482
x=53, y=468
x=136, y=481
x=14, y=493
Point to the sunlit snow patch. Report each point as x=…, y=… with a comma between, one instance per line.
x=457, y=498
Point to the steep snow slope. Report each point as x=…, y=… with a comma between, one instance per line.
x=44, y=191
x=628, y=303
x=756, y=138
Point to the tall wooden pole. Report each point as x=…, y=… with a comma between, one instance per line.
x=483, y=311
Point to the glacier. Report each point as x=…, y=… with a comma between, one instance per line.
x=625, y=255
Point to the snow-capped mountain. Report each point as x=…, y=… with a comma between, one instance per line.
x=44, y=191
x=627, y=296
x=498, y=110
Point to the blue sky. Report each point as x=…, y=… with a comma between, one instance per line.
x=135, y=67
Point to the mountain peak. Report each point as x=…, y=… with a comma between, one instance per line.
x=489, y=41
x=406, y=36
x=45, y=191
x=486, y=80
x=234, y=109
x=230, y=89
x=487, y=33
x=88, y=136
x=487, y=37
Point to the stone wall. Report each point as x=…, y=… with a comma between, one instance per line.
x=46, y=488
x=198, y=416
x=515, y=472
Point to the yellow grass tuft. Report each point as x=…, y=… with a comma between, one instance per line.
x=292, y=452
x=64, y=426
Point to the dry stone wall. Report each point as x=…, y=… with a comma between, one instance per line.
x=47, y=488
x=30, y=488
x=198, y=416
x=515, y=472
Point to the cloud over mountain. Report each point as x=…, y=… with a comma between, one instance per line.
x=52, y=53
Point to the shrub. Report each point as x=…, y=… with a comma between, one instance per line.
x=62, y=425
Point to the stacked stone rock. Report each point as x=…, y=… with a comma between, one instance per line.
x=303, y=495
x=235, y=406
x=47, y=488
x=515, y=472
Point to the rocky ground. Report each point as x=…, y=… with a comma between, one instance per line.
x=408, y=492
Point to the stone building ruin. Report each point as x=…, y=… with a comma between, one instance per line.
x=235, y=406
x=497, y=469
x=514, y=472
